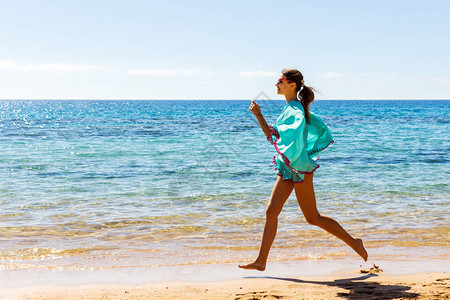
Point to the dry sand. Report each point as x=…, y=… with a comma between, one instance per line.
x=348, y=286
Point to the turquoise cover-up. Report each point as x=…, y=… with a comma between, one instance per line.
x=298, y=143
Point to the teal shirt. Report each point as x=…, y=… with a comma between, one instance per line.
x=298, y=143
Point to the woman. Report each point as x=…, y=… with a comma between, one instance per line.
x=298, y=136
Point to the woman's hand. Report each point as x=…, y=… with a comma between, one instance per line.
x=255, y=109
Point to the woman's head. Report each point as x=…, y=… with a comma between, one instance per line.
x=294, y=80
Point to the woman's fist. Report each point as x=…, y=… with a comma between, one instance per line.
x=255, y=109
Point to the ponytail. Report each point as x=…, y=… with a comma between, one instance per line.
x=306, y=96
x=305, y=93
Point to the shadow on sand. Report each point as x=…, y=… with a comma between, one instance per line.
x=360, y=289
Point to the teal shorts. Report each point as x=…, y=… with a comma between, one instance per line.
x=285, y=172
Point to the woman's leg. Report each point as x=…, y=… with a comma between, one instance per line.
x=307, y=201
x=280, y=194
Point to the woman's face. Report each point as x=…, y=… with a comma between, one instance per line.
x=283, y=85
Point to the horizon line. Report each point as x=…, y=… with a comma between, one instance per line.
x=124, y=99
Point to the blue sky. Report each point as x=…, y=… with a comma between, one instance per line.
x=223, y=49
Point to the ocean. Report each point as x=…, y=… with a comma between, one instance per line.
x=113, y=184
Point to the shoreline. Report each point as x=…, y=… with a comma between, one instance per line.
x=287, y=280
x=43, y=260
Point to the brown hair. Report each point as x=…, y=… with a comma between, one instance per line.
x=306, y=94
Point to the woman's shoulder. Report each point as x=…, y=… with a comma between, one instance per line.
x=295, y=105
x=292, y=114
x=295, y=109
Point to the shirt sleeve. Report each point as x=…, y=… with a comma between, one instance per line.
x=319, y=136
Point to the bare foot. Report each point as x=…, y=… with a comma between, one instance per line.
x=253, y=266
x=360, y=249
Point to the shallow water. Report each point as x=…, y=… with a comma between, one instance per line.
x=106, y=184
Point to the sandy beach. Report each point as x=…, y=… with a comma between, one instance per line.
x=342, y=280
x=369, y=286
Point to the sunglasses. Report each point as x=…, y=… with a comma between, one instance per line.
x=280, y=81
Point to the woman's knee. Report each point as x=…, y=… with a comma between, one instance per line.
x=272, y=212
x=313, y=219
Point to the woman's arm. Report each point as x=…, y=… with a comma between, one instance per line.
x=256, y=110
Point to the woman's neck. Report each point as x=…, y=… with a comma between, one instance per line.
x=290, y=97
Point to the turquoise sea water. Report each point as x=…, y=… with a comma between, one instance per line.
x=105, y=184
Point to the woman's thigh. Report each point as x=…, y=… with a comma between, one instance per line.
x=280, y=193
x=306, y=198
